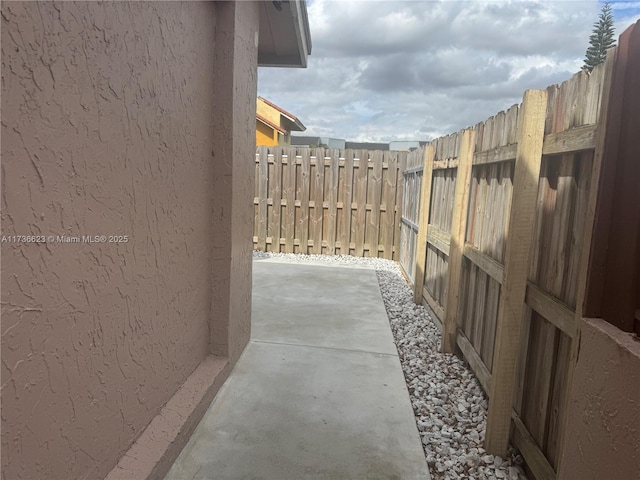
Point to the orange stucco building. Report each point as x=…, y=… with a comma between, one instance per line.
x=274, y=124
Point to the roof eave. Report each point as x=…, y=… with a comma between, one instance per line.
x=285, y=38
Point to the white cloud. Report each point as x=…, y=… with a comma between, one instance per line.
x=386, y=70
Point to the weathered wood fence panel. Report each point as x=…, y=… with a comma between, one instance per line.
x=328, y=201
x=410, y=209
x=547, y=263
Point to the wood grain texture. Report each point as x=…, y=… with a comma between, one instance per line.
x=458, y=228
x=275, y=195
x=331, y=197
x=374, y=191
x=511, y=308
x=289, y=195
x=305, y=191
x=262, y=179
x=475, y=362
x=423, y=223
x=536, y=460
x=310, y=200
x=440, y=239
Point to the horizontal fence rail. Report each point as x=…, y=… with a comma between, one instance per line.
x=328, y=201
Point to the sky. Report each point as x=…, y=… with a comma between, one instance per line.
x=415, y=70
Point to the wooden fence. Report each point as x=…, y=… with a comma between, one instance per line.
x=497, y=245
x=328, y=201
x=410, y=206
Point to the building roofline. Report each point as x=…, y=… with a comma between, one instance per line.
x=261, y=119
x=289, y=116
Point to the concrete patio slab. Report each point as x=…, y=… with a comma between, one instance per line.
x=319, y=305
x=318, y=393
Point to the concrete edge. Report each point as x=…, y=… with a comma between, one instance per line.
x=153, y=453
x=312, y=263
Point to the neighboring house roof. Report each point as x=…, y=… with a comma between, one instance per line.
x=295, y=124
x=260, y=118
x=284, y=39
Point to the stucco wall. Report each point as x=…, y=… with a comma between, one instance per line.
x=603, y=428
x=265, y=135
x=107, y=119
x=268, y=112
x=234, y=135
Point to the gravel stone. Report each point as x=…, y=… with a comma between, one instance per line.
x=449, y=404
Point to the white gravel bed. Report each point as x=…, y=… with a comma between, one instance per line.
x=448, y=402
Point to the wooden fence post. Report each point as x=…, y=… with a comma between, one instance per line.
x=423, y=222
x=456, y=245
x=516, y=268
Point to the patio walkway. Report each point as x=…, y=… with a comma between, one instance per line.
x=318, y=392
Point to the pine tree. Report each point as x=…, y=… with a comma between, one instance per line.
x=600, y=40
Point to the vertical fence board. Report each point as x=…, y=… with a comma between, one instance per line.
x=374, y=187
x=423, y=222
x=340, y=203
x=479, y=309
x=555, y=411
x=262, y=178
x=275, y=194
x=489, y=327
x=297, y=247
x=541, y=356
x=458, y=229
x=511, y=308
x=332, y=214
x=347, y=182
x=305, y=190
x=289, y=195
x=360, y=191
x=317, y=197
x=577, y=237
x=397, y=222
x=387, y=204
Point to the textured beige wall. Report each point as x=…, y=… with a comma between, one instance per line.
x=107, y=119
x=232, y=240
x=603, y=429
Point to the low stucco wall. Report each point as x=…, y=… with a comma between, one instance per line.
x=109, y=118
x=603, y=430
